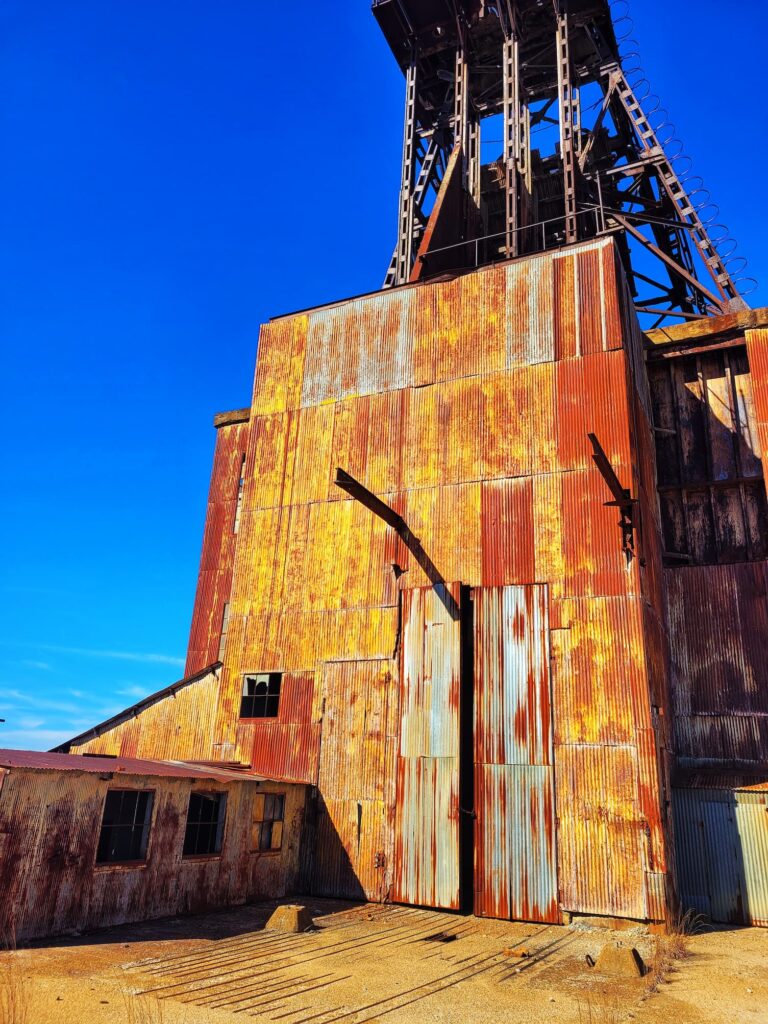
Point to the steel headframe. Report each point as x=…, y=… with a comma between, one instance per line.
x=607, y=172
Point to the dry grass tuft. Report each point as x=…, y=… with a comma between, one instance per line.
x=142, y=1009
x=599, y=1009
x=14, y=1008
x=670, y=949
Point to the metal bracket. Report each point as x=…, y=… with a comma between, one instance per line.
x=622, y=499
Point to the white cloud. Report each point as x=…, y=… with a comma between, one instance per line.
x=137, y=692
x=42, y=666
x=88, y=652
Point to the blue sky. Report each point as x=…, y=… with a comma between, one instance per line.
x=172, y=174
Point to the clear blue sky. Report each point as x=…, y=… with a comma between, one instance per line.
x=172, y=174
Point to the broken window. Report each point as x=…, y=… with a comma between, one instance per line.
x=224, y=631
x=239, y=505
x=268, y=817
x=205, y=824
x=125, y=826
x=261, y=695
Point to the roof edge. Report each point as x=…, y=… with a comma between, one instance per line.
x=227, y=419
x=134, y=709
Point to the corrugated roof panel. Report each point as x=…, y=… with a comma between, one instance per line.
x=458, y=419
x=565, y=309
x=312, y=470
x=422, y=439
x=39, y=761
x=591, y=303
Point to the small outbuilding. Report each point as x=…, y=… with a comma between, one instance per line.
x=89, y=842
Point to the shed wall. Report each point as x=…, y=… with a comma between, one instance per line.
x=49, y=831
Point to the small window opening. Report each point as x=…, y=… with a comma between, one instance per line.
x=125, y=826
x=268, y=817
x=261, y=695
x=224, y=631
x=205, y=824
x=239, y=505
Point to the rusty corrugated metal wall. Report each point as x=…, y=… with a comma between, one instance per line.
x=49, y=831
x=465, y=405
x=718, y=618
x=179, y=726
x=515, y=854
x=217, y=559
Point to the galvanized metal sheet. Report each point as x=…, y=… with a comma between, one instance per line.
x=722, y=853
x=515, y=861
x=427, y=810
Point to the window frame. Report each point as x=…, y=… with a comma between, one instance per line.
x=221, y=825
x=259, y=823
x=147, y=829
x=280, y=676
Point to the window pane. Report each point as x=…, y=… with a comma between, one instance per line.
x=269, y=807
x=205, y=824
x=256, y=837
x=261, y=695
x=266, y=836
x=258, y=807
x=125, y=826
x=277, y=835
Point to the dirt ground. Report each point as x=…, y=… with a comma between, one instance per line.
x=365, y=964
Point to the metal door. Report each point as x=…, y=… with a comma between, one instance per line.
x=515, y=857
x=427, y=809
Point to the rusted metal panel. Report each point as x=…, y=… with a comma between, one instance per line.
x=426, y=870
x=600, y=835
x=280, y=365
x=217, y=558
x=50, y=822
x=177, y=723
x=515, y=863
x=723, y=853
x=287, y=747
x=600, y=681
x=757, y=351
x=507, y=531
x=718, y=620
x=354, y=843
x=529, y=314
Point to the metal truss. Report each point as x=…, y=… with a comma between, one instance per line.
x=569, y=168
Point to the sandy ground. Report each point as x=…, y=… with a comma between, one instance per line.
x=366, y=964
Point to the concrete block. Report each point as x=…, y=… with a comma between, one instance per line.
x=290, y=918
x=620, y=961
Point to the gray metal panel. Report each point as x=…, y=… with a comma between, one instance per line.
x=722, y=852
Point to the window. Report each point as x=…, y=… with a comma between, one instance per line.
x=125, y=826
x=224, y=631
x=261, y=695
x=205, y=824
x=239, y=505
x=268, y=816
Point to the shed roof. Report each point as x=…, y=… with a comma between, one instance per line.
x=52, y=762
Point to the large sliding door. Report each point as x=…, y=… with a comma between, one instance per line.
x=515, y=857
x=427, y=809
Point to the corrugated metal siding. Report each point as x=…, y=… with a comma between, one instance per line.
x=427, y=803
x=600, y=833
x=217, y=558
x=465, y=406
x=515, y=862
x=722, y=849
x=353, y=851
x=49, y=831
x=718, y=623
x=757, y=351
x=179, y=726
x=286, y=747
